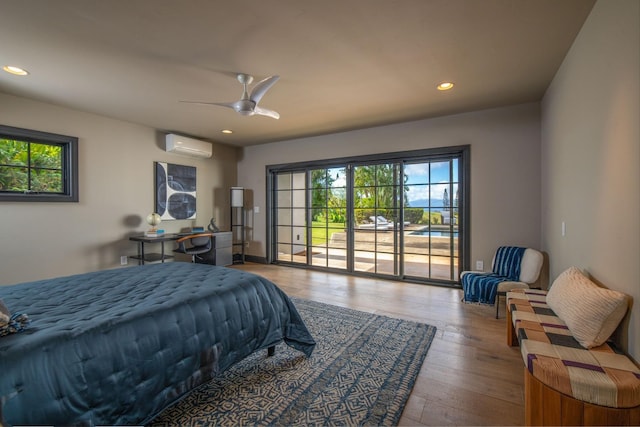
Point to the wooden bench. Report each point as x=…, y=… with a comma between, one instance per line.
x=565, y=383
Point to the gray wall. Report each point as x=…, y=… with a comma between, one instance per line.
x=591, y=155
x=505, y=169
x=42, y=240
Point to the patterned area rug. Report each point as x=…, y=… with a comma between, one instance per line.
x=361, y=373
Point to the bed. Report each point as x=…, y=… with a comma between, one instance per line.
x=119, y=346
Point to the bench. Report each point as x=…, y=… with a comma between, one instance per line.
x=570, y=378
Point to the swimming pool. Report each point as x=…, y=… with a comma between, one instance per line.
x=433, y=233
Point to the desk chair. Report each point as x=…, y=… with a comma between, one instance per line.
x=194, y=244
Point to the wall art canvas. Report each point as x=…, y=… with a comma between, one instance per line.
x=175, y=191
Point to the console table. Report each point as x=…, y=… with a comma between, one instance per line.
x=220, y=253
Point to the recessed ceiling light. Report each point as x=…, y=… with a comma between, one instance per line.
x=226, y=131
x=445, y=86
x=15, y=70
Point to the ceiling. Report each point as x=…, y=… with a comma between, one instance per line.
x=343, y=64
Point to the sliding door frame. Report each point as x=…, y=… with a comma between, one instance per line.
x=463, y=152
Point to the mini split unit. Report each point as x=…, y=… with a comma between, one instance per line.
x=188, y=146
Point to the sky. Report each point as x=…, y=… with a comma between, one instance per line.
x=418, y=178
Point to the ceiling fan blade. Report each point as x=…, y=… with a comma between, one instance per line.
x=221, y=104
x=266, y=112
x=262, y=87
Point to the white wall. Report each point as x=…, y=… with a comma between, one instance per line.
x=116, y=170
x=591, y=155
x=505, y=169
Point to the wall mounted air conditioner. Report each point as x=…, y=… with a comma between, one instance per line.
x=188, y=146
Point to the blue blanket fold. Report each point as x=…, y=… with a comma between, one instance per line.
x=482, y=287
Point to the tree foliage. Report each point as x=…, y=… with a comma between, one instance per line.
x=29, y=166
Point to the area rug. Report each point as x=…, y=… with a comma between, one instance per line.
x=361, y=373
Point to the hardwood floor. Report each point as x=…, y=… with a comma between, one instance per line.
x=470, y=375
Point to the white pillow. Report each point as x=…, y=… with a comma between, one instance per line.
x=591, y=313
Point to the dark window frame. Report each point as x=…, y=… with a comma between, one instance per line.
x=69, y=146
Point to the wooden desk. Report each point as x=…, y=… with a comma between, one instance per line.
x=220, y=254
x=143, y=257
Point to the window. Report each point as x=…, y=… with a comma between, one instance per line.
x=37, y=166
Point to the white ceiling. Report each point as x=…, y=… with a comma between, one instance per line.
x=343, y=64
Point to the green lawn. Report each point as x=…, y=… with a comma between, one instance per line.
x=319, y=231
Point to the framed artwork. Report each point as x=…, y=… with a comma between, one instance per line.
x=175, y=191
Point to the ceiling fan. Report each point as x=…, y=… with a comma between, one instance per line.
x=248, y=104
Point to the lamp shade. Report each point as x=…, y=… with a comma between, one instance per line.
x=237, y=197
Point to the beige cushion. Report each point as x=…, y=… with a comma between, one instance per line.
x=591, y=313
x=530, y=265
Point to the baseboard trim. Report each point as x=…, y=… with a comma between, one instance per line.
x=256, y=259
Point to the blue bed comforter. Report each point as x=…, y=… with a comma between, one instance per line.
x=119, y=346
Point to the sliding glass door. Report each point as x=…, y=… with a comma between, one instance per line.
x=432, y=214
x=376, y=217
x=328, y=217
x=401, y=217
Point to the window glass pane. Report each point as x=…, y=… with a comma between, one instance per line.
x=337, y=239
x=418, y=195
x=13, y=152
x=47, y=181
x=337, y=217
x=284, y=199
x=385, y=174
x=439, y=195
x=364, y=261
x=319, y=218
x=14, y=179
x=284, y=235
x=337, y=258
x=298, y=198
x=298, y=180
x=364, y=176
x=336, y=178
x=284, y=253
x=283, y=181
x=318, y=178
x=364, y=218
x=416, y=173
x=46, y=156
x=284, y=216
x=386, y=197
x=299, y=237
x=439, y=172
x=319, y=257
x=319, y=236
x=319, y=197
x=298, y=216
x=363, y=197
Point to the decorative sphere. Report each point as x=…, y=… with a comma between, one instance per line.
x=153, y=219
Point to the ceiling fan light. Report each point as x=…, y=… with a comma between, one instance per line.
x=445, y=86
x=15, y=70
x=227, y=131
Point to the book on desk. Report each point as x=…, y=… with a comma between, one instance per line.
x=156, y=233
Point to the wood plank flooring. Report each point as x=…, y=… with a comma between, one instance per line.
x=470, y=375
